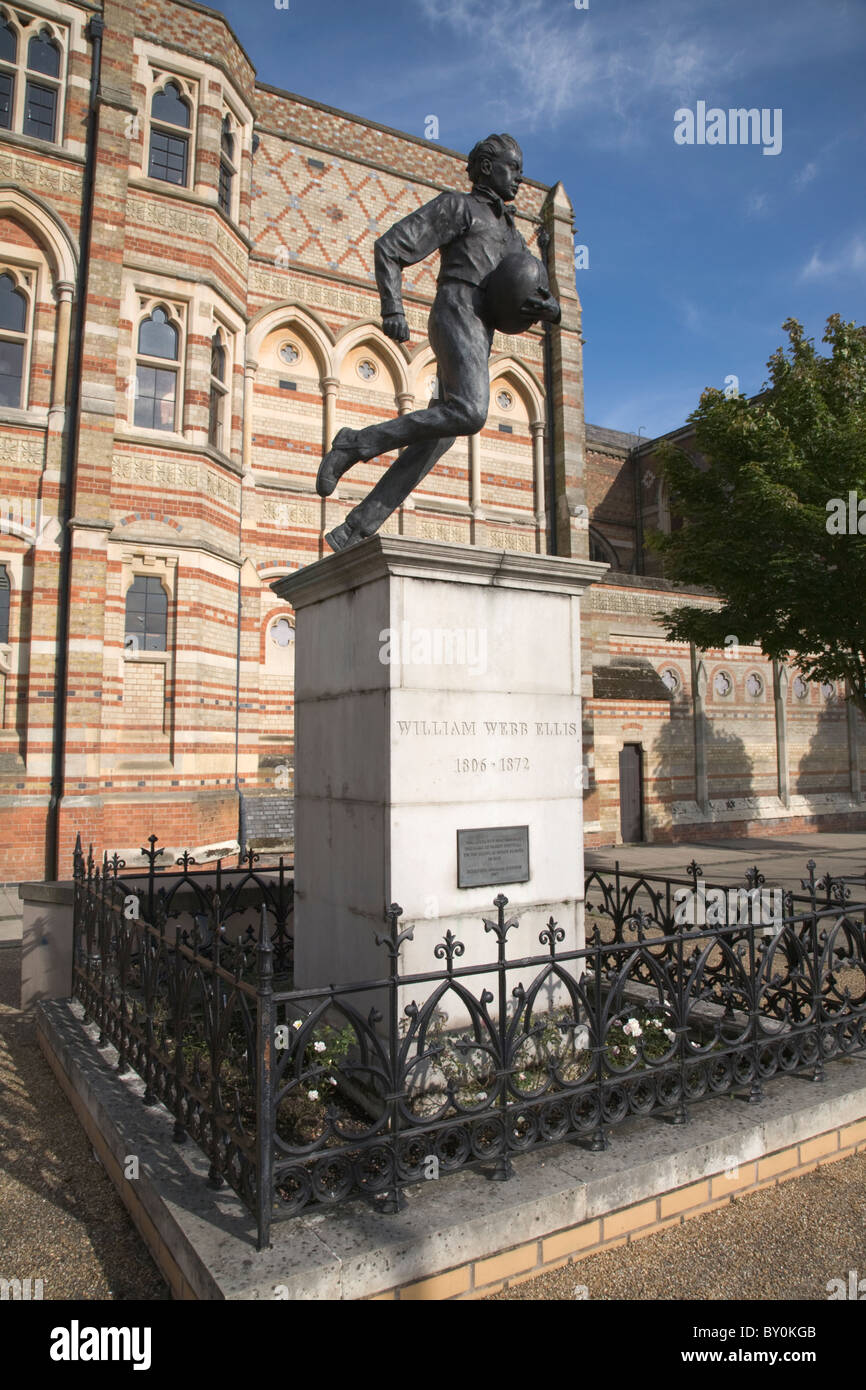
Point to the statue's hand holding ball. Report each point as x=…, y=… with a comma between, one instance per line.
x=516, y=294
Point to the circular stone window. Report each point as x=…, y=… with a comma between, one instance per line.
x=671, y=680
x=754, y=684
x=801, y=689
x=282, y=632
x=367, y=370
x=505, y=400
x=289, y=353
x=723, y=683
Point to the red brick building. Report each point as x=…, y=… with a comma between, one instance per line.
x=187, y=315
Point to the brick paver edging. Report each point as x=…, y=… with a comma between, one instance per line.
x=479, y=1278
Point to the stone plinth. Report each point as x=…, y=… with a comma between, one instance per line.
x=437, y=689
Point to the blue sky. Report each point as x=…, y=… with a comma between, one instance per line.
x=697, y=253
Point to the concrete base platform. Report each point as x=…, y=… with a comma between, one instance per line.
x=461, y=1236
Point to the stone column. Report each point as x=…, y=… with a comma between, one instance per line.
x=406, y=511
x=699, y=690
x=566, y=419
x=477, y=525
x=537, y=428
x=330, y=386
x=780, y=688
x=249, y=392
x=61, y=346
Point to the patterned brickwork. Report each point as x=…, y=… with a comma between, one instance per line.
x=215, y=514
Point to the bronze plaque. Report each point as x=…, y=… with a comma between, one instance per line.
x=492, y=856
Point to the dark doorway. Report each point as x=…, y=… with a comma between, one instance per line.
x=631, y=793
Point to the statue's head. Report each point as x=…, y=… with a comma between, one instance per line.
x=497, y=163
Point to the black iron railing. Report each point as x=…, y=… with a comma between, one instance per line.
x=683, y=989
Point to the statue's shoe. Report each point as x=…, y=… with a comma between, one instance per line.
x=343, y=536
x=342, y=454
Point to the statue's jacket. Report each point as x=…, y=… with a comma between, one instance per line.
x=472, y=231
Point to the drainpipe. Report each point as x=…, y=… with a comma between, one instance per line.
x=242, y=829
x=95, y=30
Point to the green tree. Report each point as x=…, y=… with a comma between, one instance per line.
x=767, y=506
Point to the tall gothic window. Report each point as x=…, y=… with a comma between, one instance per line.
x=30, y=77
x=156, y=380
x=8, y=61
x=41, y=93
x=13, y=341
x=4, y=605
x=146, y=624
x=227, y=167
x=169, y=145
x=218, y=394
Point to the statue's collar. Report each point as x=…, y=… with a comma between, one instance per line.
x=487, y=195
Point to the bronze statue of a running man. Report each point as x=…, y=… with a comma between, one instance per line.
x=474, y=233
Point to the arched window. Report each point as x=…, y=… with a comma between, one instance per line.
x=156, y=383
x=43, y=55
x=218, y=393
x=227, y=167
x=30, y=78
x=8, y=59
x=41, y=97
x=13, y=341
x=4, y=605
x=146, y=615
x=169, y=147
x=601, y=550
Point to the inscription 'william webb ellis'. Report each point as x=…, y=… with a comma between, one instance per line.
x=503, y=728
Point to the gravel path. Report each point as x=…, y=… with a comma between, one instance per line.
x=60, y=1218
x=786, y=1242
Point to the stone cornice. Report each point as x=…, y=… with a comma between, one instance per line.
x=381, y=556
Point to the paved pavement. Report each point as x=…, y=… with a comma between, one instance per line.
x=782, y=859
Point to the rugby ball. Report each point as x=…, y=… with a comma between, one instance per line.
x=508, y=287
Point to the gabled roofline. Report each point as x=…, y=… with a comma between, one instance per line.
x=335, y=110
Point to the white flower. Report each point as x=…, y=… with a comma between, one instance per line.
x=633, y=1051
x=669, y=1034
x=332, y=1080
x=632, y=1029
x=297, y=1023
x=521, y=1076
x=616, y=1052
x=482, y=1095
x=314, y=1095
x=318, y=1047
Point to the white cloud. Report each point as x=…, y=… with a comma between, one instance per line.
x=757, y=205
x=847, y=260
x=540, y=62
x=806, y=175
